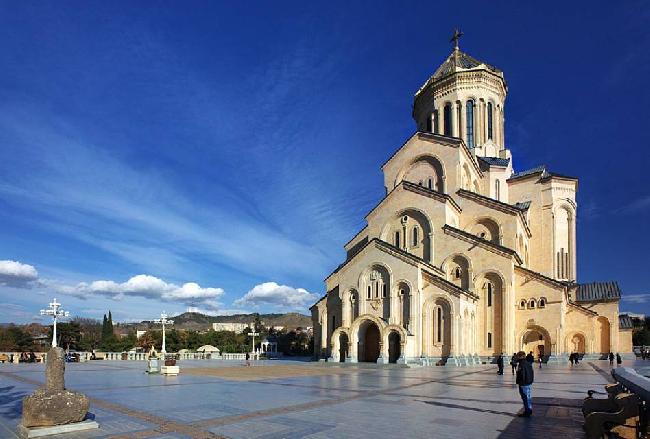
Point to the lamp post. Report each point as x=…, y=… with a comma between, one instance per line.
x=253, y=334
x=163, y=321
x=54, y=310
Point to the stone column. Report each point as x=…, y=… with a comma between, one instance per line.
x=463, y=121
x=454, y=122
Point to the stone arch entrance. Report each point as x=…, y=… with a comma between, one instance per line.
x=394, y=347
x=537, y=341
x=343, y=346
x=369, y=342
x=602, y=335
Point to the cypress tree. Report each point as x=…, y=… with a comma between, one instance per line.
x=105, y=329
x=110, y=324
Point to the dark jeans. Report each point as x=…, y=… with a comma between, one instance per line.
x=526, y=397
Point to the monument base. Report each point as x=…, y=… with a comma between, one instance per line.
x=25, y=432
x=169, y=370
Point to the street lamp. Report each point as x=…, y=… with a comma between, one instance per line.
x=163, y=321
x=54, y=310
x=253, y=334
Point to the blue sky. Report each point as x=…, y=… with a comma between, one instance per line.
x=219, y=155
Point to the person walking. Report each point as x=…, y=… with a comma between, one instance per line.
x=530, y=357
x=500, y=364
x=619, y=360
x=513, y=362
x=571, y=358
x=539, y=360
x=611, y=359
x=525, y=378
x=248, y=358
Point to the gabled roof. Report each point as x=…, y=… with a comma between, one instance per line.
x=496, y=204
x=468, y=237
x=542, y=278
x=416, y=261
x=536, y=170
x=459, y=61
x=625, y=322
x=541, y=171
x=416, y=188
x=495, y=161
x=597, y=292
x=523, y=205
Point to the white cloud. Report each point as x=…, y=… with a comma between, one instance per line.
x=16, y=274
x=280, y=296
x=146, y=286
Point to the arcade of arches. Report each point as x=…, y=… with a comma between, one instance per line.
x=465, y=258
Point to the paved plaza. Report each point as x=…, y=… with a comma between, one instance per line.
x=292, y=399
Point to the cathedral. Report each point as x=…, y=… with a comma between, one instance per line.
x=464, y=258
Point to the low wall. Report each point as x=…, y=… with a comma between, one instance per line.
x=135, y=356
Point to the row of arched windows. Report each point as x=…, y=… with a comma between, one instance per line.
x=470, y=106
x=532, y=303
x=415, y=238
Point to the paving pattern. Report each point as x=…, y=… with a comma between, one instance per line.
x=292, y=399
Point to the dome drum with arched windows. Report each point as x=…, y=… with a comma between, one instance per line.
x=464, y=258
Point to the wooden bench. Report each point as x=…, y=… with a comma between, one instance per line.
x=591, y=404
x=599, y=423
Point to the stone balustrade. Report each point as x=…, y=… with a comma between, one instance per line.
x=135, y=356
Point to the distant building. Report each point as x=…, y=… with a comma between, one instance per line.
x=230, y=326
x=139, y=334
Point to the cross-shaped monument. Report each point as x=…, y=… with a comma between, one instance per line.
x=455, y=37
x=54, y=310
x=163, y=321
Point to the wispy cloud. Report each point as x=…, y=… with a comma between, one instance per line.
x=640, y=204
x=636, y=298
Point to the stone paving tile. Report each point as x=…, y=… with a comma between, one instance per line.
x=413, y=402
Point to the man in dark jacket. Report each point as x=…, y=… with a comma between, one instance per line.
x=611, y=359
x=500, y=364
x=525, y=378
x=530, y=357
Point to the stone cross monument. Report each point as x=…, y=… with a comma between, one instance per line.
x=52, y=406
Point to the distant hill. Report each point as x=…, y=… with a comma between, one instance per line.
x=195, y=320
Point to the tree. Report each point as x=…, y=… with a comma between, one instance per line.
x=14, y=338
x=69, y=335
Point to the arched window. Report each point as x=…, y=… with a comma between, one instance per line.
x=384, y=291
x=489, y=340
x=415, y=236
x=470, y=123
x=430, y=183
x=439, y=324
x=531, y=305
x=489, y=120
x=489, y=294
x=429, y=123
x=397, y=240
x=369, y=292
x=522, y=304
x=457, y=273
x=497, y=189
x=542, y=303
x=447, y=121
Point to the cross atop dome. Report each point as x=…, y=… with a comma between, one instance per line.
x=455, y=37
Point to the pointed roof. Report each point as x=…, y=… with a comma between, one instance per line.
x=459, y=61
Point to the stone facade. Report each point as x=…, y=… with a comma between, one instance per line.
x=464, y=258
